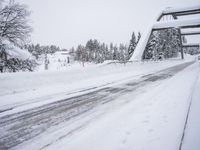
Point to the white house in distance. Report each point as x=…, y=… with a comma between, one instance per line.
x=60, y=60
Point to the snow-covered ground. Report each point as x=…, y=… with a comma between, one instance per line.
x=151, y=120
x=21, y=89
x=152, y=116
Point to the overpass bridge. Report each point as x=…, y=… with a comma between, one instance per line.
x=170, y=19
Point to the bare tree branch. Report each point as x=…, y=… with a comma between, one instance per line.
x=14, y=23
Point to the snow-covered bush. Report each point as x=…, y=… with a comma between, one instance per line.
x=14, y=32
x=13, y=59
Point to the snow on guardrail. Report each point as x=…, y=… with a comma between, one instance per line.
x=170, y=10
x=177, y=23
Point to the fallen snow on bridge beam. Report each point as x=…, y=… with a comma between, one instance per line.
x=192, y=45
x=189, y=23
x=181, y=9
x=190, y=32
x=139, y=50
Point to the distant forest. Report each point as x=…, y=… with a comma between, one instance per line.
x=93, y=51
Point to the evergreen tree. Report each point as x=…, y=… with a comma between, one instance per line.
x=138, y=37
x=163, y=44
x=151, y=46
x=132, y=45
x=115, y=52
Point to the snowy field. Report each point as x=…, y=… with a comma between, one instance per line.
x=140, y=105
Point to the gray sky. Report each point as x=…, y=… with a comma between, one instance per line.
x=67, y=23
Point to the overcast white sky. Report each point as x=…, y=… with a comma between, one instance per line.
x=67, y=23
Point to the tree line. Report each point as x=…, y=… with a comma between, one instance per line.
x=93, y=51
x=97, y=52
x=37, y=50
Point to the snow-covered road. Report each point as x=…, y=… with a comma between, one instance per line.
x=51, y=125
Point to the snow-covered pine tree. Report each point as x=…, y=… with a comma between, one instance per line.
x=132, y=45
x=121, y=52
x=163, y=44
x=138, y=37
x=115, y=53
x=151, y=47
